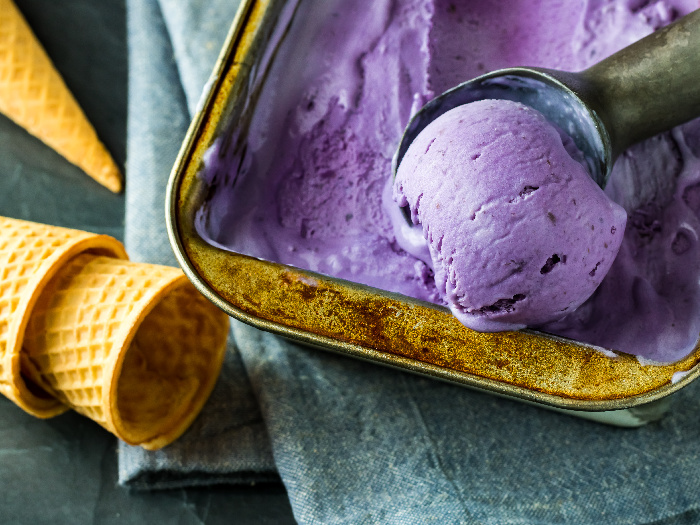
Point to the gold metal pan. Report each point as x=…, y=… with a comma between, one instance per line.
x=365, y=322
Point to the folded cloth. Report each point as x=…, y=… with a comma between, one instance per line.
x=356, y=443
x=229, y=434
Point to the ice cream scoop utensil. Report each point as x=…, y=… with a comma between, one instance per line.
x=644, y=89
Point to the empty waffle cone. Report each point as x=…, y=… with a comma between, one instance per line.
x=133, y=346
x=30, y=255
x=33, y=94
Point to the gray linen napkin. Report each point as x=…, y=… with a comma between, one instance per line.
x=356, y=443
x=229, y=434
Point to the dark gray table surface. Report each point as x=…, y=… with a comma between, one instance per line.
x=64, y=470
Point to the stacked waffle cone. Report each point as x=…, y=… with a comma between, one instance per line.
x=33, y=94
x=132, y=346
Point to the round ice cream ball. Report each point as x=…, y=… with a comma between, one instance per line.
x=518, y=232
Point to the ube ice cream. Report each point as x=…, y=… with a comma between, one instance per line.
x=518, y=232
x=304, y=184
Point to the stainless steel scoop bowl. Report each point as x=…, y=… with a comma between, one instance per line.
x=644, y=89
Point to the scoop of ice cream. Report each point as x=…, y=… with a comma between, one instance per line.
x=518, y=232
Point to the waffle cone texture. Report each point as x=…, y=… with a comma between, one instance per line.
x=33, y=94
x=132, y=346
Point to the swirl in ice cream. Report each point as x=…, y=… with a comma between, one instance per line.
x=304, y=184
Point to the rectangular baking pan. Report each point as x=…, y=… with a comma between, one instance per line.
x=371, y=324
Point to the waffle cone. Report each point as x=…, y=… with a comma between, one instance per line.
x=113, y=339
x=30, y=255
x=33, y=94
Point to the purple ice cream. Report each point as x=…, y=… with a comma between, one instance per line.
x=519, y=234
x=305, y=184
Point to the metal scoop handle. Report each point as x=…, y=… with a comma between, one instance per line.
x=647, y=87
